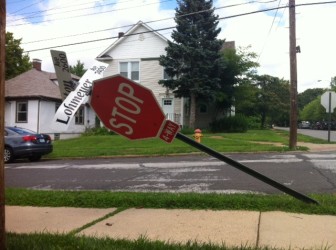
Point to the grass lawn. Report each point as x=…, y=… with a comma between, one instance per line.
x=123, y=200
x=69, y=241
x=115, y=145
x=107, y=199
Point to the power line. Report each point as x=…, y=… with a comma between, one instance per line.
x=69, y=6
x=269, y=32
x=65, y=7
x=13, y=2
x=27, y=6
x=90, y=14
x=98, y=40
x=232, y=5
x=172, y=27
x=158, y=20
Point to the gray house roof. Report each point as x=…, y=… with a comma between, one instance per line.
x=33, y=84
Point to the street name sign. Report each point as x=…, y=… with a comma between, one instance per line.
x=77, y=97
x=62, y=70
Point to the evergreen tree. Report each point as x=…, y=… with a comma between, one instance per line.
x=78, y=69
x=192, y=60
x=16, y=62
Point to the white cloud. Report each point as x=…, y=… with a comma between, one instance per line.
x=314, y=32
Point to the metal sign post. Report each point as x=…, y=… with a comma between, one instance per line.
x=131, y=110
x=245, y=169
x=328, y=101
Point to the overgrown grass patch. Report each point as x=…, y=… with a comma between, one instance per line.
x=106, y=199
x=68, y=241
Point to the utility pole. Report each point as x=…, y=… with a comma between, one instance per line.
x=2, y=120
x=293, y=76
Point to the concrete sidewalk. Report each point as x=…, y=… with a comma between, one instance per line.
x=234, y=228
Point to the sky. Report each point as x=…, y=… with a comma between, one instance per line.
x=85, y=28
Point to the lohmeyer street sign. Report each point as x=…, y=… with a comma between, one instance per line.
x=74, y=96
x=130, y=109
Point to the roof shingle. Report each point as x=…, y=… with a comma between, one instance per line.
x=33, y=84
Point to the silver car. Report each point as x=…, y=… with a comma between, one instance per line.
x=23, y=143
x=304, y=124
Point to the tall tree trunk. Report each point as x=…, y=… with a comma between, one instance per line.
x=192, y=118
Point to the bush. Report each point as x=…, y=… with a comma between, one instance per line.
x=254, y=122
x=233, y=124
x=187, y=131
x=97, y=131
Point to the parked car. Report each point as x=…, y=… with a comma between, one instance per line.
x=23, y=143
x=324, y=125
x=317, y=125
x=304, y=124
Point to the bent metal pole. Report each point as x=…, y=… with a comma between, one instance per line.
x=245, y=169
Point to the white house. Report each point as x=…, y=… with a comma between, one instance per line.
x=135, y=54
x=32, y=99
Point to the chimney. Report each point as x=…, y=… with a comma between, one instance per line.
x=121, y=34
x=37, y=64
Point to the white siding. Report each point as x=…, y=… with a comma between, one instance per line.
x=144, y=45
x=47, y=112
x=40, y=115
x=145, y=48
x=150, y=74
x=10, y=115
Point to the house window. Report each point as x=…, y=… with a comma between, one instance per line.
x=22, y=112
x=79, y=116
x=168, y=102
x=130, y=70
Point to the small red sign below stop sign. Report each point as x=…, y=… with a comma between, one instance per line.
x=129, y=109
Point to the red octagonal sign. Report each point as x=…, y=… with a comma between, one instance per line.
x=127, y=108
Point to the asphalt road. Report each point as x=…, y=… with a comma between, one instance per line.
x=303, y=172
x=321, y=134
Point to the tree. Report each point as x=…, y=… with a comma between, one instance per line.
x=192, y=60
x=245, y=99
x=267, y=97
x=240, y=68
x=16, y=62
x=313, y=111
x=308, y=96
x=78, y=69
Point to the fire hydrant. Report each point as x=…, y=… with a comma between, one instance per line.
x=197, y=135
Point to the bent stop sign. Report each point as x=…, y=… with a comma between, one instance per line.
x=130, y=109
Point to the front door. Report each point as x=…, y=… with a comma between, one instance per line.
x=168, y=107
